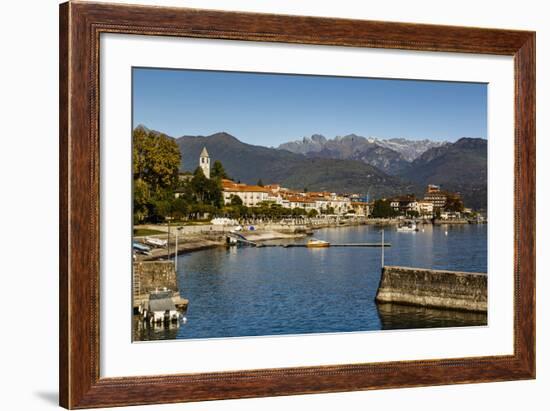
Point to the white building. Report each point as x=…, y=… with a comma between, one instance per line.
x=425, y=208
x=250, y=195
x=361, y=208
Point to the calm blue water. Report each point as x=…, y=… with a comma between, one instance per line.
x=248, y=291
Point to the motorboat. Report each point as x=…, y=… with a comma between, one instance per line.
x=314, y=243
x=408, y=228
x=141, y=248
x=156, y=242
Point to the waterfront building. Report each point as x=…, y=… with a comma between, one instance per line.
x=425, y=208
x=404, y=204
x=361, y=208
x=341, y=205
x=437, y=198
x=432, y=188
x=204, y=162
x=250, y=195
x=301, y=202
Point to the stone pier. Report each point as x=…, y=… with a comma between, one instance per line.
x=149, y=276
x=433, y=288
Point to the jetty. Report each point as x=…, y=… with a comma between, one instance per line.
x=154, y=276
x=441, y=289
x=329, y=245
x=237, y=238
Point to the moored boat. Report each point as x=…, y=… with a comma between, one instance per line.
x=408, y=228
x=314, y=243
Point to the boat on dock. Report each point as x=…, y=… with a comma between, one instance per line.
x=156, y=242
x=141, y=248
x=314, y=243
x=160, y=307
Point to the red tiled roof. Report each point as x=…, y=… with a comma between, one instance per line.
x=299, y=200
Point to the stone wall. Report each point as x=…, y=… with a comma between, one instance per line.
x=152, y=275
x=433, y=288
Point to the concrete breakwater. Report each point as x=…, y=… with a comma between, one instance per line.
x=210, y=239
x=433, y=288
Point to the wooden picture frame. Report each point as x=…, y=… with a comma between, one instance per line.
x=80, y=27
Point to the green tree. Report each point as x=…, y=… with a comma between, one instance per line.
x=180, y=208
x=453, y=203
x=142, y=197
x=236, y=200
x=312, y=213
x=413, y=213
x=218, y=171
x=206, y=191
x=298, y=211
x=327, y=210
x=156, y=159
x=383, y=209
x=260, y=183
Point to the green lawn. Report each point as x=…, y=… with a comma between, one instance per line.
x=139, y=232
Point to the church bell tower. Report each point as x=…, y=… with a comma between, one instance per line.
x=204, y=162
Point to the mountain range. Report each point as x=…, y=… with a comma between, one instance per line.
x=460, y=167
x=249, y=163
x=351, y=164
x=390, y=155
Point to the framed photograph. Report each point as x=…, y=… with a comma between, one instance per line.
x=258, y=205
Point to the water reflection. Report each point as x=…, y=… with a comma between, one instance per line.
x=397, y=316
x=145, y=331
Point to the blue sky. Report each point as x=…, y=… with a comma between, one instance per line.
x=270, y=109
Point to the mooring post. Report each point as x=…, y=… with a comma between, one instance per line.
x=176, y=251
x=168, y=243
x=382, y=262
x=178, y=229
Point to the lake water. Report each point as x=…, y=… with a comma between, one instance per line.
x=247, y=291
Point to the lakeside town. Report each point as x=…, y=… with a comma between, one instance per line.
x=270, y=211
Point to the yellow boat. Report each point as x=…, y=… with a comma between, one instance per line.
x=313, y=243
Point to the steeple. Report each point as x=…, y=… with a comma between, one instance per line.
x=204, y=162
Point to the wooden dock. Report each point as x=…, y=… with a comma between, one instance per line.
x=241, y=239
x=304, y=245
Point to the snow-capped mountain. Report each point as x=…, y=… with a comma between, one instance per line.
x=390, y=155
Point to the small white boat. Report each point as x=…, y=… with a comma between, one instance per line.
x=408, y=228
x=231, y=240
x=157, y=242
x=314, y=243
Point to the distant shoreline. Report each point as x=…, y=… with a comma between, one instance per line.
x=200, y=237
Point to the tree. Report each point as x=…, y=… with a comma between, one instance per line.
x=327, y=210
x=218, y=171
x=383, y=209
x=180, y=208
x=453, y=203
x=260, y=183
x=142, y=197
x=156, y=159
x=312, y=213
x=206, y=191
x=236, y=200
